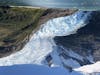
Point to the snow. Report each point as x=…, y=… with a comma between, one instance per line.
x=55, y=58
x=41, y=43
x=89, y=69
x=75, y=55
x=65, y=25
x=32, y=70
x=90, y=58
x=72, y=54
x=70, y=62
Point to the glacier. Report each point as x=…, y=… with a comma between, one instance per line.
x=41, y=44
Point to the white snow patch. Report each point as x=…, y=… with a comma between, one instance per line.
x=89, y=69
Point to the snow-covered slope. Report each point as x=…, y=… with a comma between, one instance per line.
x=30, y=69
x=93, y=69
x=41, y=43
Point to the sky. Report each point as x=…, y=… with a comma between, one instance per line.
x=62, y=2
x=80, y=4
x=86, y=4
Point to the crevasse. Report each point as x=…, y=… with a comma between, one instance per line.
x=41, y=43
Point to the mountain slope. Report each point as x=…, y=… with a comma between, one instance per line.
x=42, y=50
x=17, y=24
x=41, y=43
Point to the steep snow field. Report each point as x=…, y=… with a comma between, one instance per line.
x=41, y=43
x=90, y=69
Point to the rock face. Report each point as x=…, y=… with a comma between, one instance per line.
x=16, y=28
x=54, y=13
x=86, y=42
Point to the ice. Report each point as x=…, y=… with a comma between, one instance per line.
x=92, y=69
x=41, y=43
